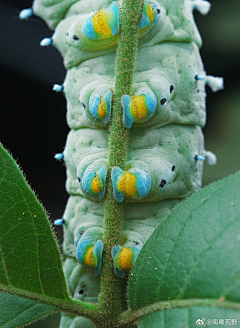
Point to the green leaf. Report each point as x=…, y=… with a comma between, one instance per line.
x=188, y=318
x=17, y=311
x=195, y=252
x=30, y=262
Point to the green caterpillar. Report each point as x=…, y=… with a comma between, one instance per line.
x=165, y=113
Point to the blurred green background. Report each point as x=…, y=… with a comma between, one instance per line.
x=33, y=125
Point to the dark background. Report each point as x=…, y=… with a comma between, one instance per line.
x=33, y=125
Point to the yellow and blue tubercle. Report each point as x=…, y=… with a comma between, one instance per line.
x=138, y=108
x=100, y=107
x=124, y=258
x=94, y=182
x=103, y=24
x=134, y=183
x=148, y=15
x=89, y=249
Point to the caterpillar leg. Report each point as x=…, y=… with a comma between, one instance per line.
x=139, y=108
x=134, y=183
x=89, y=247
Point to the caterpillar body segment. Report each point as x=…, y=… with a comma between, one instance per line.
x=86, y=149
x=170, y=82
x=161, y=163
x=83, y=228
x=169, y=21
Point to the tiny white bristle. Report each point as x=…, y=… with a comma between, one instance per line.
x=211, y=158
x=202, y=6
x=215, y=83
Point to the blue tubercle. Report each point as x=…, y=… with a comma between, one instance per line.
x=101, y=107
x=81, y=250
x=199, y=158
x=112, y=17
x=57, y=87
x=59, y=222
x=98, y=249
x=128, y=119
x=145, y=21
x=200, y=77
x=87, y=178
x=93, y=104
x=115, y=250
x=25, y=13
x=88, y=28
x=151, y=102
x=59, y=156
x=84, y=243
x=46, y=42
x=108, y=101
x=143, y=184
x=115, y=175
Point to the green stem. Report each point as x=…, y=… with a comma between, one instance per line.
x=89, y=310
x=110, y=300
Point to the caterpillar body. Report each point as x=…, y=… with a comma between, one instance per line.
x=165, y=113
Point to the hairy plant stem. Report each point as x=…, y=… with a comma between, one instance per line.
x=110, y=300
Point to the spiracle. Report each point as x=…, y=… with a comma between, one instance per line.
x=165, y=114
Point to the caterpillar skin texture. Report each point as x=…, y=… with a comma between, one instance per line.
x=166, y=154
x=165, y=113
x=180, y=98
